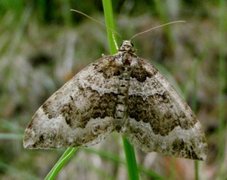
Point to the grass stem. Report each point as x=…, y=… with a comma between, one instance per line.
x=128, y=148
x=64, y=159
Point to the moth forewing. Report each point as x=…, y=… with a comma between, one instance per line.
x=122, y=93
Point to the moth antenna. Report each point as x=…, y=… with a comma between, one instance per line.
x=95, y=20
x=156, y=27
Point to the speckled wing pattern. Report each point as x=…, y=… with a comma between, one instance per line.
x=122, y=93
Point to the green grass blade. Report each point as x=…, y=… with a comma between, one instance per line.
x=194, y=107
x=131, y=160
x=110, y=26
x=221, y=92
x=222, y=78
x=196, y=169
x=64, y=159
x=129, y=150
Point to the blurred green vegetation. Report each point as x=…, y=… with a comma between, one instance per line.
x=43, y=44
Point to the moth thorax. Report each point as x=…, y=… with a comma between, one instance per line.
x=127, y=46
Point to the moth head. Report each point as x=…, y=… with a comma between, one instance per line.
x=127, y=46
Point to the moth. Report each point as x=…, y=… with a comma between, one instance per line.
x=122, y=93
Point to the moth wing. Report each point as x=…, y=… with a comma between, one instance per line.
x=160, y=120
x=72, y=115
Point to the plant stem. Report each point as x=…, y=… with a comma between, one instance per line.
x=194, y=107
x=129, y=150
x=110, y=26
x=64, y=159
x=221, y=93
x=130, y=160
x=196, y=169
